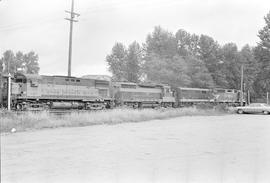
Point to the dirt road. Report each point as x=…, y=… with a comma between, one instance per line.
x=231, y=148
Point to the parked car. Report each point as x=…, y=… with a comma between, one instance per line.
x=254, y=108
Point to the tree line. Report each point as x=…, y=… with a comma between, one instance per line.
x=190, y=60
x=12, y=62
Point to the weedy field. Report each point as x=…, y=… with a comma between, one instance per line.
x=11, y=122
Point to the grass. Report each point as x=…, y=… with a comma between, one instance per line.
x=34, y=121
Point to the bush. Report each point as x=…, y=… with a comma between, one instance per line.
x=39, y=120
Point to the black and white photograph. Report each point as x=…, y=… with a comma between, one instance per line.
x=135, y=91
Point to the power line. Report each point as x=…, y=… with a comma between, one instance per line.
x=25, y=25
x=47, y=19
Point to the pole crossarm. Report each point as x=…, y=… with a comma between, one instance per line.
x=73, y=13
x=71, y=20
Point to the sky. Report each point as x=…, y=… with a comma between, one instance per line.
x=39, y=26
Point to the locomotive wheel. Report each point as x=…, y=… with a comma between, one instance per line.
x=19, y=107
x=240, y=111
x=135, y=106
x=265, y=112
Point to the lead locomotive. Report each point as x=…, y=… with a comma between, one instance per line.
x=30, y=91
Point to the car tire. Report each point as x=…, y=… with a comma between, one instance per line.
x=265, y=112
x=19, y=107
x=240, y=111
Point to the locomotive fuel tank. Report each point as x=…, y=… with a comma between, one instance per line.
x=66, y=105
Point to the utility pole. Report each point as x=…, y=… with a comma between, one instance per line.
x=9, y=92
x=8, y=63
x=71, y=20
x=242, y=79
x=267, y=97
x=248, y=98
x=8, y=84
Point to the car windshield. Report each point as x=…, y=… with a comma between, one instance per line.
x=259, y=105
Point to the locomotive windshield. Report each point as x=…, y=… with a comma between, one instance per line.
x=128, y=86
x=20, y=79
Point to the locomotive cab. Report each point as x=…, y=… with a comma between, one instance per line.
x=226, y=96
x=19, y=85
x=168, y=96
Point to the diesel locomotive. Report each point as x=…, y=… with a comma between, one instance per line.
x=41, y=92
x=142, y=95
x=213, y=96
x=34, y=92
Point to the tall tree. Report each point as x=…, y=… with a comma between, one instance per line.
x=262, y=54
x=133, y=62
x=209, y=52
x=173, y=59
x=29, y=62
x=231, y=60
x=161, y=62
x=1, y=65
x=8, y=62
x=20, y=61
x=117, y=61
x=162, y=43
x=167, y=70
x=187, y=44
x=251, y=68
x=199, y=74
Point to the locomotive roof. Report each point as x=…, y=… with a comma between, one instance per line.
x=4, y=75
x=152, y=85
x=97, y=77
x=124, y=82
x=205, y=89
x=37, y=76
x=29, y=76
x=224, y=89
x=60, y=76
x=195, y=89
